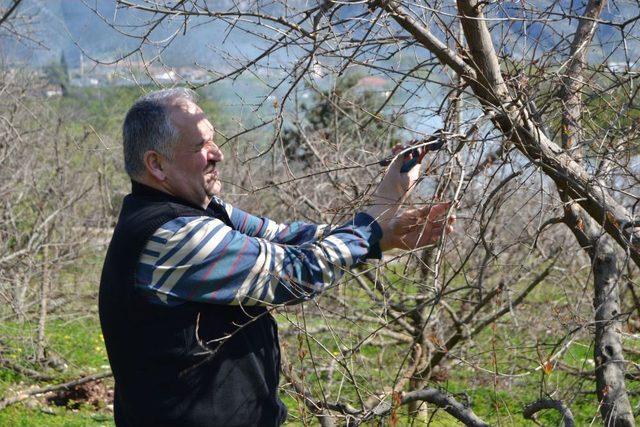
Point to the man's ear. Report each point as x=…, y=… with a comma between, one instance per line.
x=154, y=163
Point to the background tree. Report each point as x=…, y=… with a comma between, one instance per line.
x=57, y=73
x=341, y=114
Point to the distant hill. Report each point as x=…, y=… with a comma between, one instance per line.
x=70, y=26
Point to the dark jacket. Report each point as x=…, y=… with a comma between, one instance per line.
x=189, y=365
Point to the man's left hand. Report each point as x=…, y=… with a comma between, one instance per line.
x=415, y=228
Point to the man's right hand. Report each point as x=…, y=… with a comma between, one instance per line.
x=398, y=182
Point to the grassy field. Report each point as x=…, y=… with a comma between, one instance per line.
x=497, y=374
x=497, y=399
x=77, y=343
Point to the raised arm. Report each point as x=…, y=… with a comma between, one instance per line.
x=202, y=259
x=294, y=233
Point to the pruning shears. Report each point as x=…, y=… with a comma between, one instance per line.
x=414, y=151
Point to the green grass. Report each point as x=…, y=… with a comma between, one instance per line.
x=78, y=342
x=21, y=416
x=497, y=399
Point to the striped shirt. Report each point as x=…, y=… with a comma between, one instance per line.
x=255, y=262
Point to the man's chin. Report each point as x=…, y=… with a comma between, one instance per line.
x=215, y=189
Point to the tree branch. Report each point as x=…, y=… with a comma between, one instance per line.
x=25, y=394
x=441, y=400
x=531, y=409
x=9, y=11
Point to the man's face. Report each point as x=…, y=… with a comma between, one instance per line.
x=192, y=173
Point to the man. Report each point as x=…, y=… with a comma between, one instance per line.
x=188, y=279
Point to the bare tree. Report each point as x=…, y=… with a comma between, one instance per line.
x=50, y=214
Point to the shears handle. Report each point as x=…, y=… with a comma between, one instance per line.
x=415, y=155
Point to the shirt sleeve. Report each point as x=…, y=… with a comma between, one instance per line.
x=294, y=233
x=202, y=259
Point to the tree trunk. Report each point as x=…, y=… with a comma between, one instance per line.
x=44, y=298
x=21, y=284
x=610, y=387
x=610, y=365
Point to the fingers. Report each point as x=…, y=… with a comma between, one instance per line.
x=437, y=212
x=423, y=226
x=396, y=149
x=432, y=235
x=422, y=234
x=433, y=218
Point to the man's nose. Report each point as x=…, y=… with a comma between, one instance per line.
x=215, y=154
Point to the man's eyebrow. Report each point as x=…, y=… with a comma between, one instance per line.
x=205, y=140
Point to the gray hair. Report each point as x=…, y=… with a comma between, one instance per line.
x=148, y=126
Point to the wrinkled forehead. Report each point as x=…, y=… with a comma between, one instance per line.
x=189, y=118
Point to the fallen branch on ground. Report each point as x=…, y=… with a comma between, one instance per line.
x=27, y=372
x=25, y=394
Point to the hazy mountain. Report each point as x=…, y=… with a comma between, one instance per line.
x=76, y=26
x=73, y=26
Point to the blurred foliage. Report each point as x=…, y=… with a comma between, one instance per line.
x=352, y=113
x=57, y=74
